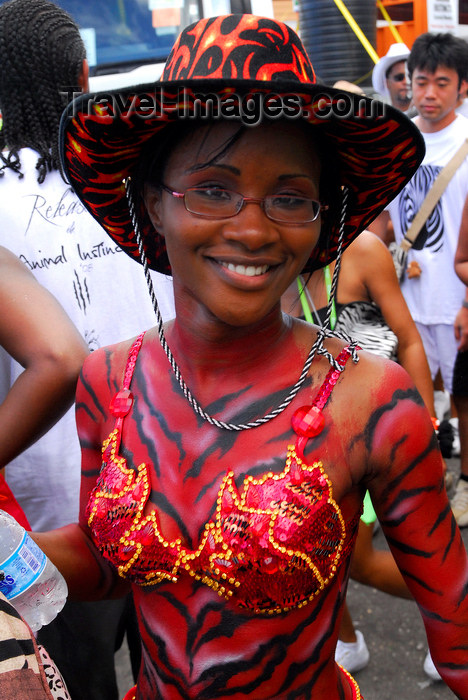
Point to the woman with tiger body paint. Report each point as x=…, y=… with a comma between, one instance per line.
x=226, y=454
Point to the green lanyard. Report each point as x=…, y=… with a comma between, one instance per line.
x=328, y=284
x=305, y=304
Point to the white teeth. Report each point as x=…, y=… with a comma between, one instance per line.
x=249, y=271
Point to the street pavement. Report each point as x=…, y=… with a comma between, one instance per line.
x=394, y=634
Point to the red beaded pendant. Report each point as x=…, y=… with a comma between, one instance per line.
x=308, y=421
x=121, y=403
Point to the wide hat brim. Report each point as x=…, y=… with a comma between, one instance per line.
x=103, y=136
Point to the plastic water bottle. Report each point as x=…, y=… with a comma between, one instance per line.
x=28, y=579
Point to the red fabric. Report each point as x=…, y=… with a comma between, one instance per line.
x=10, y=505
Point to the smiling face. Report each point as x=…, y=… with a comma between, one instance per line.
x=235, y=270
x=436, y=96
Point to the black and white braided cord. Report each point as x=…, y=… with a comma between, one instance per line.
x=326, y=331
x=317, y=347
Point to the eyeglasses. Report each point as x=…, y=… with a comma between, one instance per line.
x=398, y=77
x=217, y=203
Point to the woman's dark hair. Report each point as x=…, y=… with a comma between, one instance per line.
x=431, y=51
x=42, y=56
x=151, y=167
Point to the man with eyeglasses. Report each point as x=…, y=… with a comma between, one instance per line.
x=389, y=77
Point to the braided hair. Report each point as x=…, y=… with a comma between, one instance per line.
x=42, y=56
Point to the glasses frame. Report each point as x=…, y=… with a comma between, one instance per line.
x=243, y=201
x=398, y=77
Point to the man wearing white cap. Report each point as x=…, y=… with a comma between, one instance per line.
x=389, y=77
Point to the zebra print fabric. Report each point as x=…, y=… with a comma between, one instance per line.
x=363, y=321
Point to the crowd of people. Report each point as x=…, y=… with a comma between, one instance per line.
x=438, y=69
x=235, y=438
x=99, y=288
x=435, y=74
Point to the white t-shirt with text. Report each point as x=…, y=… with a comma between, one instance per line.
x=105, y=294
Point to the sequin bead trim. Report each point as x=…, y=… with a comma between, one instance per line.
x=308, y=421
x=273, y=545
x=331, y=379
x=352, y=682
x=131, y=694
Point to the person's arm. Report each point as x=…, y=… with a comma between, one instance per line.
x=88, y=575
x=405, y=481
x=382, y=227
x=461, y=269
x=379, y=277
x=38, y=334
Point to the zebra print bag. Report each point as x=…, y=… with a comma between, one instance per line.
x=363, y=321
x=400, y=259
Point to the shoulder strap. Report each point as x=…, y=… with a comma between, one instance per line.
x=308, y=421
x=131, y=360
x=434, y=194
x=123, y=400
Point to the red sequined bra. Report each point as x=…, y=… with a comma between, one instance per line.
x=273, y=544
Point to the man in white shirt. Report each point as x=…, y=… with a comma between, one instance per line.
x=437, y=65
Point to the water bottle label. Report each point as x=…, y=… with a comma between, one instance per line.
x=22, y=567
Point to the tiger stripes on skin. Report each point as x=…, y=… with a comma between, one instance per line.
x=196, y=644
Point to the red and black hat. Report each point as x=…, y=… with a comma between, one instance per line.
x=224, y=64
